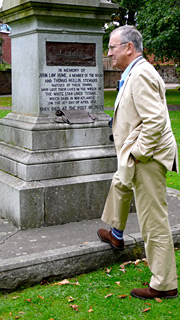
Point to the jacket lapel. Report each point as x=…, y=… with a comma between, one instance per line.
x=121, y=91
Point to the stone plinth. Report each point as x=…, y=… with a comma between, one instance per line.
x=53, y=170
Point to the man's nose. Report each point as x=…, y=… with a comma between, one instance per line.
x=109, y=52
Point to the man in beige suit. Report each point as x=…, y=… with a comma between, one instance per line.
x=146, y=149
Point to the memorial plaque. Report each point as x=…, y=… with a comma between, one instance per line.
x=70, y=54
x=71, y=88
x=70, y=80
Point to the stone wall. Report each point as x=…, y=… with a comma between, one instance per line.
x=5, y=56
x=112, y=75
x=6, y=47
x=5, y=82
x=168, y=73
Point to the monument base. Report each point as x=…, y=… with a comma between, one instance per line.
x=52, y=202
x=53, y=173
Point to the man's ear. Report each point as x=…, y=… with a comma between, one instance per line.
x=130, y=48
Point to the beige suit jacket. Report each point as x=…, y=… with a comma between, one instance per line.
x=141, y=123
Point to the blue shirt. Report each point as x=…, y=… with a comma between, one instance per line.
x=126, y=72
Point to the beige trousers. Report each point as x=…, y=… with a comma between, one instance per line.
x=149, y=188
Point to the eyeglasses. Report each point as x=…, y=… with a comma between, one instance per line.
x=113, y=46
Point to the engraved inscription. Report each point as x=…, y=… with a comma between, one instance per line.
x=70, y=54
x=71, y=88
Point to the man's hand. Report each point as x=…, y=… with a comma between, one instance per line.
x=135, y=160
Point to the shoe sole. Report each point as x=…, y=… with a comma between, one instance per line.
x=107, y=241
x=166, y=297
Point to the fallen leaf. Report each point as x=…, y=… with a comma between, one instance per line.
x=61, y=283
x=70, y=299
x=108, y=295
x=122, y=267
x=108, y=270
x=146, y=309
x=145, y=261
x=137, y=262
x=118, y=283
x=14, y=298
x=65, y=282
x=123, y=270
x=148, y=303
x=44, y=282
x=40, y=297
x=28, y=300
x=90, y=310
x=126, y=263
x=145, y=283
x=158, y=300
x=17, y=317
x=139, y=270
x=122, y=296
x=74, y=306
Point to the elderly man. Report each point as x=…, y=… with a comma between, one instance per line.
x=146, y=149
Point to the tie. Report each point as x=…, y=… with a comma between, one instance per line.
x=121, y=84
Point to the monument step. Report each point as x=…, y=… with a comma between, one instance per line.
x=43, y=133
x=29, y=256
x=51, y=202
x=57, y=163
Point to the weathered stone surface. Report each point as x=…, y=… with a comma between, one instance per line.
x=64, y=263
x=69, y=261
x=44, y=134
x=21, y=203
x=59, y=163
x=55, y=201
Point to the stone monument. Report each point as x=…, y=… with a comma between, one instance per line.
x=56, y=160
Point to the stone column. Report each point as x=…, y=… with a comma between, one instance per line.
x=56, y=159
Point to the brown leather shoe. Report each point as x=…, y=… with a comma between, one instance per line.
x=150, y=293
x=107, y=236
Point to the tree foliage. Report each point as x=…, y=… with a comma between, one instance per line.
x=126, y=14
x=157, y=20
x=159, y=23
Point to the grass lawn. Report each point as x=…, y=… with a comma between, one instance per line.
x=173, y=179
x=100, y=295
x=5, y=101
x=3, y=113
x=172, y=96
